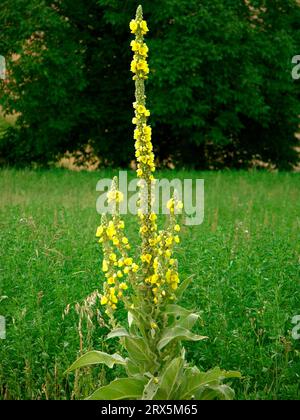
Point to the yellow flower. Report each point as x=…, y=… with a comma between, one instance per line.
x=113, y=257
x=152, y=242
x=168, y=253
x=139, y=172
x=136, y=134
x=119, y=273
x=153, y=217
x=124, y=240
x=123, y=286
x=141, y=109
x=99, y=231
x=133, y=25
x=121, y=224
x=177, y=228
x=169, y=241
x=116, y=241
x=111, y=280
x=104, y=266
x=128, y=261
x=154, y=278
x=114, y=299
x=144, y=229
x=133, y=66
x=170, y=204
x=142, y=65
x=177, y=239
x=153, y=325
x=117, y=196
x=126, y=270
x=155, y=300
x=120, y=263
x=144, y=27
x=174, y=286
x=175, y=278
x=135, y=267
x=110, y=231
x=143, y=50
x=135, y=46
x=104, y=300
x=146, y=258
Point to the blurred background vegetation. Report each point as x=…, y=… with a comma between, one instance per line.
x=220, y=88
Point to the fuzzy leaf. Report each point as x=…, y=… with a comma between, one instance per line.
x=212, y=392
x=118, y=332
x=97, y=357
x=176, y=310
x=196, y=382
x=150, y=390
x=170, y=380
x=178, y=333
x=183, y=286
x=120, y=389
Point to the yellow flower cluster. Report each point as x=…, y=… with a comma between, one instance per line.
x=143, y=148
x=159, y=268
x=138, y=26
x=139, y=65
x=117, y=265
x=164, y=280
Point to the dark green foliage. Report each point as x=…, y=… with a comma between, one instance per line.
x=220, y=88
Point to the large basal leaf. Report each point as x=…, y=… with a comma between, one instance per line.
x=170, y=380
x=178, y=333
x=97, y=357
x=195, y=381
x=120, y=389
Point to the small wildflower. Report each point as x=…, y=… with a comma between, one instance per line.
x=104, y=300
x=99, y=231
x=128, y=261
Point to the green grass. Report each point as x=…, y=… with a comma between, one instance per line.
x=245, y=258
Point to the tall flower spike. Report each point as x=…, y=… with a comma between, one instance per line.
x=159, y=270
x=117, y=266
x=143, y=146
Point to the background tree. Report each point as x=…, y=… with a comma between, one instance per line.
x=220, y=85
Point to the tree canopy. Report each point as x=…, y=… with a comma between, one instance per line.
x=220, y=86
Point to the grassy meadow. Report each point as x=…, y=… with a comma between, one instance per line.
x=245, y=259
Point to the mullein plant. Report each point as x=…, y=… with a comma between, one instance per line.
x=148, y=286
